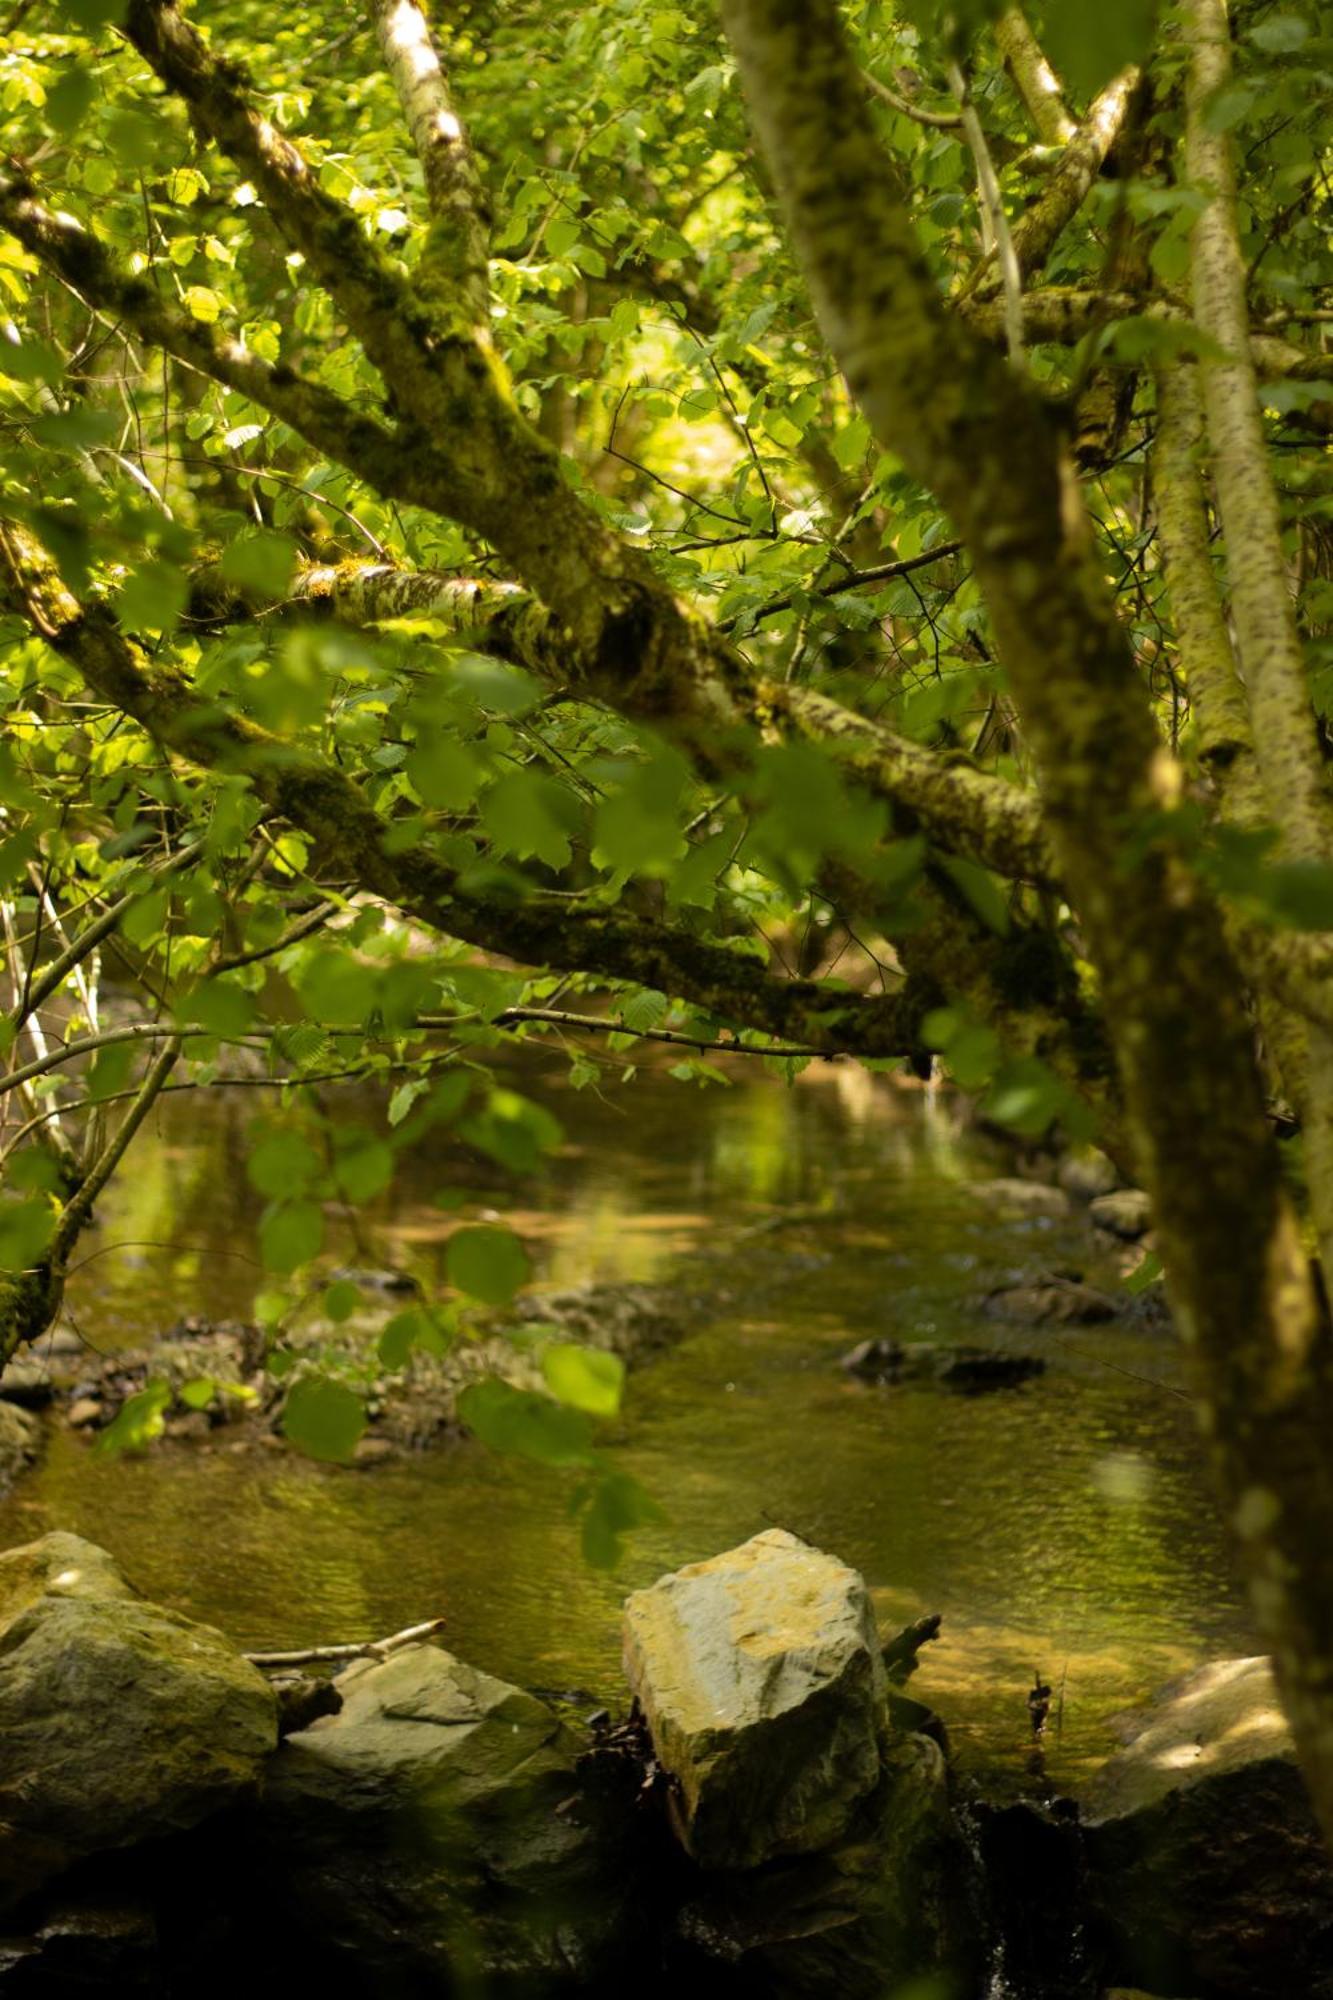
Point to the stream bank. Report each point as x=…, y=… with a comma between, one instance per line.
x=1065, y=1527
x=772, y=1820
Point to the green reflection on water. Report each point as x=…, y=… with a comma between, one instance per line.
x=1065, y=1528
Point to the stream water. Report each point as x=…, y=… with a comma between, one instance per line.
x=1064, y=1528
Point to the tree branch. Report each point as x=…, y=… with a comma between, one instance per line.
x=1033, y=78
x=454, y=269
x=975, y=432
x=349, y=835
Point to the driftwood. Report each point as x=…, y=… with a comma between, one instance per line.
x=372, y=1649
x=900, y=1654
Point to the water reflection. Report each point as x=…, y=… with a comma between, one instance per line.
x=1065, y=1530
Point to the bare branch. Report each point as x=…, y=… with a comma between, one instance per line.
x=1036, y=231
x=455, y=264
x=1033, y=78
x=373, y=1649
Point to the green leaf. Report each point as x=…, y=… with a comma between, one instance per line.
x=1298, y=894
x=1026, y=1096
x=207, y=306
x=530, y=1426
x=489, y=1264
x=644, y=1010
x=34, y=1170
x=514, y=1131
x=283, y=1164
x=365, y=1170
x=1280, y=34
x=616, y=1505
x=523, y=814
x=324, y=1419
x=981, y=890
x=221, y=1006
x=1088, y=41
x=291, y=1235
x=973, y=1054
x=77, y=429
x=110, y=1072
x=585, y=1377
x=263, y=562
x=91, y=16
x=335, y=989
x=152, y=597
x=26, y=359
x=400, y=1335
x=26, y=1229
x=405, y=1096
x=137, y=1422
x=1145, y=1273
x=341, y=1299
x=197, y=1393
x=444, y=772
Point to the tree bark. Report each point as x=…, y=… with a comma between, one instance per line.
x=974, y=432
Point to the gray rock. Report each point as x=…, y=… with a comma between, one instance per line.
x=20, y=1443
x=1126, y=1213
x=1016, y=1197
x=1208, y=1871
x=760, y=1677
x=84, y=1412
x=1086, y=1174
x=429, y=1831
x=119, y=1721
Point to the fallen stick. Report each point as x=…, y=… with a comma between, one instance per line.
x=374, y=1649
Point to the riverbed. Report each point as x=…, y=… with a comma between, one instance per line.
x=1065, y=1529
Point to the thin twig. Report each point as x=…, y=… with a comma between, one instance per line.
x=944, y=121
x=992, y=205
x=374, y=1649
x=556, y=1017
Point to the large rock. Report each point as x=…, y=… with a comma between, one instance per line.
x=889, y=1909
x=1208, y=1871
x=760, y=1676
x=20, y=1443
x=432, y=1835
x=118, y=1721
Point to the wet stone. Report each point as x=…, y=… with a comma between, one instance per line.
x=119, y=1721
x=1208, y=1871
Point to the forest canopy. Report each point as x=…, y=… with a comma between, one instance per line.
x=782, y=528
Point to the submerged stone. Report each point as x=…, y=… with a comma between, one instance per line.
x=119, y=1721
x=1051, y=1299
x=760, y=1676
x=1017, y=1197
x=1209, y=1875
x=967, y=1368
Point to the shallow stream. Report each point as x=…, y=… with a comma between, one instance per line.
x=1065, y=1528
